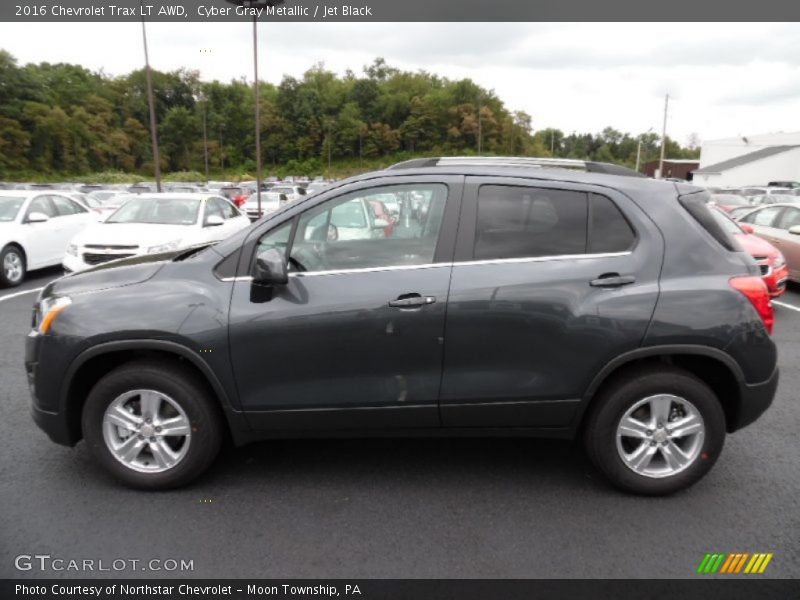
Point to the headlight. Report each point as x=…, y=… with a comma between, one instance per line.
x=164, y=247
x=72, y=250
x=49, y=309
x=779, y=261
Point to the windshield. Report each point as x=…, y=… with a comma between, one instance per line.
x=282, y=190
x=158, y=211
x=9, y=207
x=726, y=223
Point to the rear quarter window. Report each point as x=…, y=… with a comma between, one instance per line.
x=697, y=206
x=609, y=230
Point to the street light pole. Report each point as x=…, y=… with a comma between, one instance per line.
x=663, y=139
x=639, y=148
x=150, y=101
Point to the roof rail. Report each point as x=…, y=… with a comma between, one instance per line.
x=517, y=161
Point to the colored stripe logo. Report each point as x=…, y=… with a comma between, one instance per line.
x=735, y=563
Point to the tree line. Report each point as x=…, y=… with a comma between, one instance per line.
x=62, y=120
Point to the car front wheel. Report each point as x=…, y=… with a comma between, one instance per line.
x=152, y=426
x=655, y=432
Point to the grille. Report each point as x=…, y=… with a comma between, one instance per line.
x=98, y=259
x=109, y=247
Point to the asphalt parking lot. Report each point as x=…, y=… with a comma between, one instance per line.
x=398, y=508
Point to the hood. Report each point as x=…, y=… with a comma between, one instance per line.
x=133, y=234
x=119, y=273
x=755, y=246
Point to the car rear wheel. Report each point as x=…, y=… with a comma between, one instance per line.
x=655, y=431
x=152, y=426
x=13, y=268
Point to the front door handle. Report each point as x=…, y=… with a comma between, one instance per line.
x=610, y=280
x=411, y=301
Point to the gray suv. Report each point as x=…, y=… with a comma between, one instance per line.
x=454, y=296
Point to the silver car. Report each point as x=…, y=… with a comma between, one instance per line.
x=779, y=224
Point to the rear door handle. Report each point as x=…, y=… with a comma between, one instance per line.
x=411, y=301
x=612, y=280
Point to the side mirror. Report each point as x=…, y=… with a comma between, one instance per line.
x=746, y=227
x=214, y=221
x=270, y=268
x=283, y=198
x=37, y=217
x=795, y=230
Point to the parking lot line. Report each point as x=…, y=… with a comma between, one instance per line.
x=784, y=305
x=10, y=296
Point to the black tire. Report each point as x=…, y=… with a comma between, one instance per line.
x=8, y=250
x=180, y=384
x=621, y=394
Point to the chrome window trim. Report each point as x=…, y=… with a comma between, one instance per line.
x=470, y=263
x=369, y=269
x=508, y=261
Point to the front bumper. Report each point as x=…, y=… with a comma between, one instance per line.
x=46, y=413
x=754, y=400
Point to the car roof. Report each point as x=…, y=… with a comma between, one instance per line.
x=177, y=196
x=30, y=193
x=555, y=174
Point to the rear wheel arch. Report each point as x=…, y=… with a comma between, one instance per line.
x=713, y=367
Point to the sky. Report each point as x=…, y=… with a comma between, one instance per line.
x=724, y=79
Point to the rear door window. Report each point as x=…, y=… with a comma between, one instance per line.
x=790, y=218
x=765, y=217
x=527, y=222
x=66, y=207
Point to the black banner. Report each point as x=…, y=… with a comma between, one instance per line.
x=179, y=11
x=396, y=589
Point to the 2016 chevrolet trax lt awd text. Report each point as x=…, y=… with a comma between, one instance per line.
x=490, y=297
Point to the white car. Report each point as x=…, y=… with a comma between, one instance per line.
x=292, y=192
x=152, y=223
x=35, y=228
x=269, y=203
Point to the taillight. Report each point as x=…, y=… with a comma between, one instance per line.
x=755, y=290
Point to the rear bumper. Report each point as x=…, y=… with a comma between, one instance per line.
x=755, y=399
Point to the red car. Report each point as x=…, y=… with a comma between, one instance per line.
x=773, y=267
x=379, y=211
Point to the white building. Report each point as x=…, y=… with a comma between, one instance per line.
x=749, y=160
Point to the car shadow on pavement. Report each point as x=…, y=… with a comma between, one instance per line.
x=557, y=463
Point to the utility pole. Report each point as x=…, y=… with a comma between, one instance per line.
x=329, y=148
x=663, y=139
x=150, y=101
x=360, y=145
x=552, y=141
x=480, y=127
x=204, y=100
x=258, y=114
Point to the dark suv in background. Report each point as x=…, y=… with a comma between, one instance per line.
x=506, y=297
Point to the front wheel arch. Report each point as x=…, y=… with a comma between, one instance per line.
x=89, y=367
